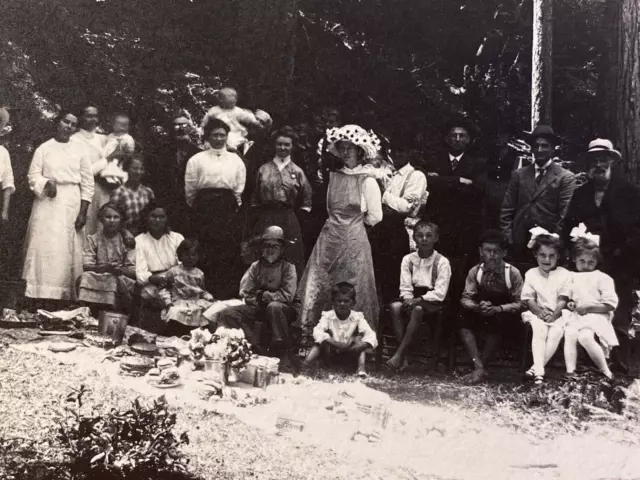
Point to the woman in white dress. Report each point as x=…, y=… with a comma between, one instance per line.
x=95, y=144
x=60, y=176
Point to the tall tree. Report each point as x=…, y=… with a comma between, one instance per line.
x=542, y=62
x=627, y=85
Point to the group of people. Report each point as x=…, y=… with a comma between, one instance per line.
x=240, y=196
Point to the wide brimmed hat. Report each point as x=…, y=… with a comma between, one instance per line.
x=545, y=131
x=366, y=140
x=600, y=145
x=273, y=233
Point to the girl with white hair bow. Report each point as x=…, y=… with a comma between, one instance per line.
x=545, y=292
x=590, y=310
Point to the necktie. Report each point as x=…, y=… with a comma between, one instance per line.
x=454, y=163
x=539, y=174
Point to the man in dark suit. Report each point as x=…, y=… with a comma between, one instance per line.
x=609, y=206
x=456, y=184
x=537, y=195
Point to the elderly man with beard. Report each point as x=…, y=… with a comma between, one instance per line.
x=609, y=206
x=537, y=195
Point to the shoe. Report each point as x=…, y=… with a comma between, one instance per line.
x=362, y=374
x=530, y=374
x=569, y=377
x=538, y=379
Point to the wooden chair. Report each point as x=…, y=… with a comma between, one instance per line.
x=436, y=320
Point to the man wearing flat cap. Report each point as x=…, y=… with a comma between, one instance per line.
x=538, y=194
x=609, y=205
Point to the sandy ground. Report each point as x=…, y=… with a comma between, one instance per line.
x=420, y=441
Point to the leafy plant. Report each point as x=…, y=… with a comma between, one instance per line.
x=137, y=443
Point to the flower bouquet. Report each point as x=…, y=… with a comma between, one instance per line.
x=226, y=349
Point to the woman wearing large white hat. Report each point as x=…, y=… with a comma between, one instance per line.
x=342, y=252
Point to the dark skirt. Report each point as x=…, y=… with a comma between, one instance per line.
x=215, y=223
x=389, y=244
x=286, y=219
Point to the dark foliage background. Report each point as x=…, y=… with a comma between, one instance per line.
x=401, y=66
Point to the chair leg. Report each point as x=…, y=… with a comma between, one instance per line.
x=528, y=333
x=437, y=335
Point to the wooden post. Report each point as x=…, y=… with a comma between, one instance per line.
x=627, y=88
x=542, y=63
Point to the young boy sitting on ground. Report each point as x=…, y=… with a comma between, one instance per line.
x=424, y=282
x=268, y=288
x=490, y=301
x=341, y=331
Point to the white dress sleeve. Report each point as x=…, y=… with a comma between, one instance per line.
x=371, y=202
x=414, y=190
x=7, y=171
x=191, y=180
x=607, y=290
x=87, y=185
x=240, y=180
x=37, y=180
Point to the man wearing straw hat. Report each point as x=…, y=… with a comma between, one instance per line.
x=608, y=205
x=537, y=195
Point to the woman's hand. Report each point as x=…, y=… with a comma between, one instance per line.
x=583, y=309
x=81, y=219
x=50, y=189
x=5, y=216
x=571, y=306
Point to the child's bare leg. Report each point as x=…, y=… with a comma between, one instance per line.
x=595, y=351
x=469, y=340
x=490, y=347
x=362, y=361
x=415, y=321
x=397, y=320
x=313, y=355
x=538, y=343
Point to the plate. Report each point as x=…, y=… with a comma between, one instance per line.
x=154, y=383
x=51, y=333
x=145, y=348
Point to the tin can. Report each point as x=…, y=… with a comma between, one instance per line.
x=261, y=377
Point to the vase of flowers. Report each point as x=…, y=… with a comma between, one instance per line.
x=223, y=353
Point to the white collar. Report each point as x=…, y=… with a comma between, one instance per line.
x=428, y=260
x=282, y=162
x=406, y=169
x=452, y=158
x=544, y=167
x=218, y=152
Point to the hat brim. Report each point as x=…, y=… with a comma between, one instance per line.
x=615, y=154
x=260, y=239
x=531, y=137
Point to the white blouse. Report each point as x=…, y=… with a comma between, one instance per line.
x=370, y=197
x=155, y=255
x=215, y=169
x=6, y=172
x=65, y=164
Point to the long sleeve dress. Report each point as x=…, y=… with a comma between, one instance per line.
x=342, y=252
x=281, y=190
x=214, y=181
x=53, y=246
x=155, y=256
x=107, y=288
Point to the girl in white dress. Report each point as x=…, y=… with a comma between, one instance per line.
x=61, y=178
x=544, y=293
x=590, y=309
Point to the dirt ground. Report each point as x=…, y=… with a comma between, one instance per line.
x=438, y=427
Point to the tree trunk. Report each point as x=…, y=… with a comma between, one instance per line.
x=627, y=87
x=542, y=63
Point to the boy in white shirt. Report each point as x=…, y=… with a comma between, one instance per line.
x=424, y=283
x=342, y=332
